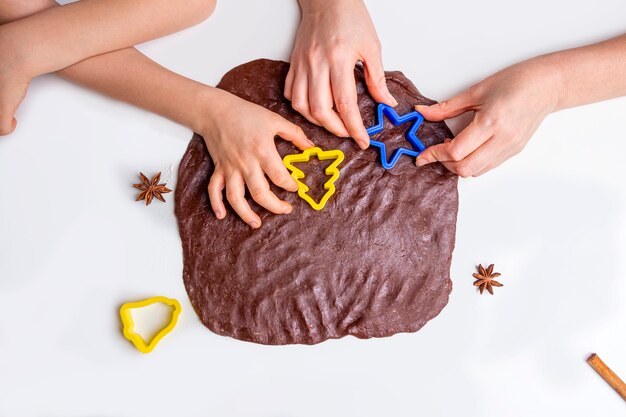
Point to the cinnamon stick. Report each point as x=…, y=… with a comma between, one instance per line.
x=607, y=374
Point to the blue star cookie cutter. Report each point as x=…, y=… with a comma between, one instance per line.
x=411, y=137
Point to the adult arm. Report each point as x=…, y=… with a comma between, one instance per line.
x=511, y=104
x=332, y=37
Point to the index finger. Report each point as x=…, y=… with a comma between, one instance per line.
x=466, y=142
x=344, y=93
x=293, y=133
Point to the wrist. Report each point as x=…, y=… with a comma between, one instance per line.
x=546, y=78
x=556, y=78
x=205, y=104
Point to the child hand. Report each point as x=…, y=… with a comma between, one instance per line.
x=332, y=37
x=244, y=151
x=509, y=106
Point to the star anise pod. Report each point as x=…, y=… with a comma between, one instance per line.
x=485, y=279
x=151, y=188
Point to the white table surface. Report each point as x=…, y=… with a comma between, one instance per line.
x=74, y=245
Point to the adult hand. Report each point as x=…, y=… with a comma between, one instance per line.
x=509, y=106
x=334, y=35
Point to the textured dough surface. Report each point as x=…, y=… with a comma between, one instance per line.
x=374, y=262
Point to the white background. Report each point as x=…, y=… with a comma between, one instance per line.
x=74, y=245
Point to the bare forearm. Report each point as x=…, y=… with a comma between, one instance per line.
x=591, y=73
x=128, y=75
x=61, y=36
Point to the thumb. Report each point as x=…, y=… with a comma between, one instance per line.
x=7, y=126
x=294, y=134
x=376, y=82
x=453, y=107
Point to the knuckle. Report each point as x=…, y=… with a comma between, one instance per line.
x=283, y=180
x=490, y=121
x=340, y=51
x=298, y=132
x=381, y=80
x=455, y=152
x=344, y=104
x=258, y=146
x=259, y=192
x=233, y=197
x=443, y=105
x=319, y=112
x=276, y=170
x=464, y=171
x=215, y=178
x=292, y=131
x=474, y=91
x=299, y=104
x=315, y=53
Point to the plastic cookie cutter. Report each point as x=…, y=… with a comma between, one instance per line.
x=129, y=325
x=397, y=120
x=331, y=170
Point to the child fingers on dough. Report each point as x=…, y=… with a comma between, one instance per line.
x=244, y=152
x=511, y=104
x=243, y=149
x=39, y=36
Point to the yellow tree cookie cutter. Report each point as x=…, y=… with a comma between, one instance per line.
x=129, y=324
x=332, y=170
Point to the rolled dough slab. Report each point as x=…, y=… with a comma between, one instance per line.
x=374, y=262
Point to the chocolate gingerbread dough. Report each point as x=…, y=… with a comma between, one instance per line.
x=374, y=262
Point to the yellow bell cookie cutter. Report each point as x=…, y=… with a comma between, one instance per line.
x=332, y=170
x=129, y=324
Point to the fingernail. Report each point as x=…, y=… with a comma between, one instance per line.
x=363, y=144
x=14, y=122
x=420, y=162
x=311, y=144
x=254, y=224
x=287, y=210
x=393, y=101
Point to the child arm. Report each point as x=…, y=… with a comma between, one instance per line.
x=511, y=104
x=57, y=37
x=39, y=36
x=243, y=149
